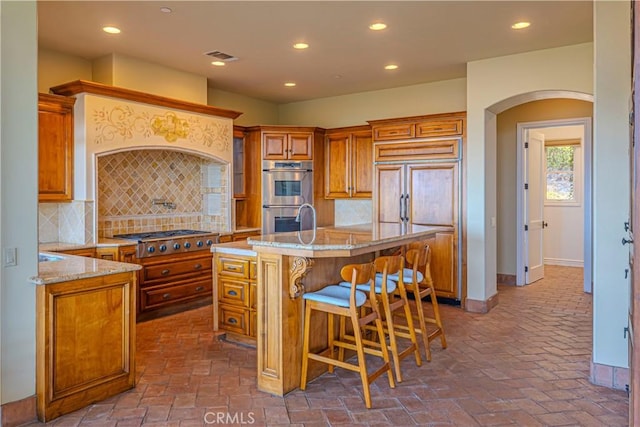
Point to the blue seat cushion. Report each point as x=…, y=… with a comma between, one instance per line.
x=407, y=274
x=336, y=295
x=365, y=287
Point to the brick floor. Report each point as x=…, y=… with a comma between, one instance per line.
x=525, y=363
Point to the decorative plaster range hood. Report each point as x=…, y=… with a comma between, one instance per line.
x=110, y=119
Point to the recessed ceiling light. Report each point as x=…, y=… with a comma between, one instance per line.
x=520, y=25
x=377, y=26
x=218, y=63
x=300, y=46
x=391, y=67
x=111, y=30
x=165, y=9
x=289, y=84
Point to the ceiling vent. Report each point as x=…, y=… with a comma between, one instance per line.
x=221, y=56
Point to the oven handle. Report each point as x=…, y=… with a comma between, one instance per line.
x=280, y=206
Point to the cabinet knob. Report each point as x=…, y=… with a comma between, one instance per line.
x=166, y=296
x=200, y=288
x=233, y=321
x=197, y=266
x=165, y=272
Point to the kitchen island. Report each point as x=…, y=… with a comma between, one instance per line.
x=292, y=263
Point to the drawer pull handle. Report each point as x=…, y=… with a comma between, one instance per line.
x=233, y=321
x=199, y=288
x=233, y=267
x=233, y=293
x=166, y=296
x=165, y=272
x=197, y=266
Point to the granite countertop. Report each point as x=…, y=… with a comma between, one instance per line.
x=343, y=241
x=71, y=267
x=63, y=246
x=240, y=247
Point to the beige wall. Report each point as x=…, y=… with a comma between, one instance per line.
x=356, y=109
x=55, y=68
x=135, y=74
x=254, y=111
x=552, y=109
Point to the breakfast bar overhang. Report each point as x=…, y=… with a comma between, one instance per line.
x=290, y=264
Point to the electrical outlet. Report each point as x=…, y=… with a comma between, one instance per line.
x=10, y=257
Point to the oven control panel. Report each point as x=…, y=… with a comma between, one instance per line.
x=175, y=245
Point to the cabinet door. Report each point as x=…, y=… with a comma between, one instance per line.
x=239, y=169
x=444, y=262
x=127, y=254
x=389, y=204
x=337, y=166
x=433, y=194
x=274, y=146
x=55, y=149
x=361, y=165
x=300, y=146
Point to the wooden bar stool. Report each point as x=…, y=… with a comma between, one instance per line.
x=419, y=283
x=394, y=298
x=346, y=302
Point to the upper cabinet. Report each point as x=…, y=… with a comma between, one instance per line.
x=55, y=148
x=348, y=163
x=239, y=163
x=287, y=146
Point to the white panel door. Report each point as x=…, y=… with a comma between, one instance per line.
x=534, y=207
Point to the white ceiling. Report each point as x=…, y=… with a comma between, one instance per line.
x=429, y=40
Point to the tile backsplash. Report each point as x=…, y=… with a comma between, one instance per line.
x=66, y=222
x=150, y=190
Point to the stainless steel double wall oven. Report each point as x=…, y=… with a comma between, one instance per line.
x=285, y=186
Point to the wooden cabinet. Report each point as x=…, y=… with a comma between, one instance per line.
x=348, y=163
x=236, y=290
x=173, y=283
x=85, y=342
x=117, y=253
x=55, y=148
x=86, y=252
x=418, y=179
x=239, y=163
x=287, y=146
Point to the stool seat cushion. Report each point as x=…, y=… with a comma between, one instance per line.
x=407, y=276
x=335, y=295
x=365, y=287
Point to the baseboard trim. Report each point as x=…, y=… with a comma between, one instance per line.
x=476, y=306
x=609, y=376
x=506, y=279
x=19, y=412
x=564, y=262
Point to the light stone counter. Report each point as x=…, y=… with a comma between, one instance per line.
x=233, y=248
x=71, y=267
x=344, y=241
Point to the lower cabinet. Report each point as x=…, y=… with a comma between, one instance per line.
x=85, y=342
x=86, y=252
x=173, y=283
x=236, y=290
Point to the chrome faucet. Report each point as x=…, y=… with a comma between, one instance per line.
x=313, y=211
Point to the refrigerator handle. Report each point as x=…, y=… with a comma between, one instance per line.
x=406, y=208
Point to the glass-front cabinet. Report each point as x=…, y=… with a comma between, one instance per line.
x=239, y=163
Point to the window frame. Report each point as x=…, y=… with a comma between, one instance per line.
x=576, y=143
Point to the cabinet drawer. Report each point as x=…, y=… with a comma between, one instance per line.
x=233, y=292
x=439, y=128
x=393, y=132
x=164, y=295
x=423, y=150
x=160, y=271
x=233, y=319
x=233, y=267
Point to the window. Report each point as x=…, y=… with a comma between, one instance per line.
x=562, y=172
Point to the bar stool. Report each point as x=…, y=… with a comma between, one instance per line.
x=346, y=302
x=418, y=281
x=394, y=298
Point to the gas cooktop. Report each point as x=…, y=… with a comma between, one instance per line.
x=154, y=243
x=160, y=234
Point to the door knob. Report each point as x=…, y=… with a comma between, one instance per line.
x=625, y=241
x=544, y=224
